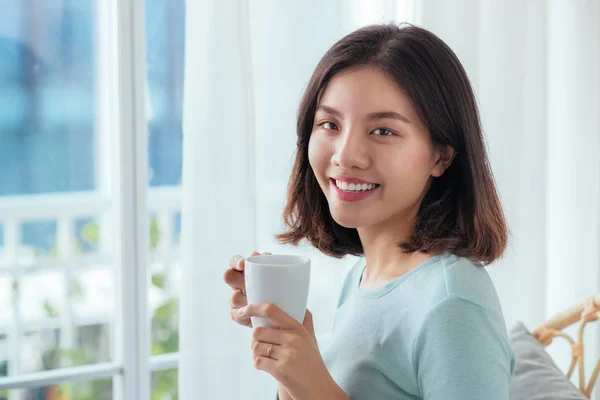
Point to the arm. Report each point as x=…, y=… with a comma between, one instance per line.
x=461, y=354
x=336, y=393
x=282, y=394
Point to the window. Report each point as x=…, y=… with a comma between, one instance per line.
x=90, y=174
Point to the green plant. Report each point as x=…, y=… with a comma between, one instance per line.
x=50, y=309
x=165, y=332
x=71, y=357
x=155, y=234
x=164, y=326
x=90, y=232
x=165, y=339
x=165, y=385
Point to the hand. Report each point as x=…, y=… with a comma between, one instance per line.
x=289, y=353
x=234, y=277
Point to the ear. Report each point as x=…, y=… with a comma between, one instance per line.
x=444, y=157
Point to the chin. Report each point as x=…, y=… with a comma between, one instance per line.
x=346, y=220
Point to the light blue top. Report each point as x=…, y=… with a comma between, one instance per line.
x=435, y=333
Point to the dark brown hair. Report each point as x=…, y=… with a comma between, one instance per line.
x=461, y=212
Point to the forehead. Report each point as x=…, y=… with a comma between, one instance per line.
x=365, y=90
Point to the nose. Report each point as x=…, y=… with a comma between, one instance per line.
x=351, y=151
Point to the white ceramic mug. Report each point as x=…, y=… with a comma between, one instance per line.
x=279, y=279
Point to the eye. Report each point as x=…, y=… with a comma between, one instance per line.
x=328, y=125
x=383, y=132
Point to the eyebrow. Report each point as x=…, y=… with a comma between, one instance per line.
x=371, y=116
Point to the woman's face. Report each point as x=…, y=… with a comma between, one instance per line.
x=372, y=156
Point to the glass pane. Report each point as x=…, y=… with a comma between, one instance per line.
x=100, y=389
x=92, y=295
x=38, y=238
x=164, y=385
x=87, y=235
x=47, y=89
x=56, y=284
x=165, y=22
x=64, y=329
x=164, y=288
x=41, y=297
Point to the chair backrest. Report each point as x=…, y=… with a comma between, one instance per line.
x=584, y=312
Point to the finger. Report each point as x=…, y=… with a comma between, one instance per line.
x=308, y=322
x=240, y=320
x=270, y=335
x=270, y=311
x=237, y=262
x=238, y=299
x=268, y=365
x=265, y=350
x=235, y=279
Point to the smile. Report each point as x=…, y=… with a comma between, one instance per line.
x=355, y=187
x=353, y=191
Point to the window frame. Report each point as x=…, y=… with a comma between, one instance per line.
x=130, y=177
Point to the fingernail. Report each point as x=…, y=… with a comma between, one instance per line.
x=241, y=311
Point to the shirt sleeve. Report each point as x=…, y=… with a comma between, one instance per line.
x=460, y=354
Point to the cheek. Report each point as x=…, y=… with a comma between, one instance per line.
x=412, y=167
x=419, y=163
x=317, y=155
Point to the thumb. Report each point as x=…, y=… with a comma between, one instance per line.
x=308, y=323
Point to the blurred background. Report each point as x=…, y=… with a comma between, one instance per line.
x=230, y=74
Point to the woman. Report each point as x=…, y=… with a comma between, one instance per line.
x=391, y=166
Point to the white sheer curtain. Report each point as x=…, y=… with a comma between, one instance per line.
x=535, y=67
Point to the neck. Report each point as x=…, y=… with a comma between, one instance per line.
x=385, y=259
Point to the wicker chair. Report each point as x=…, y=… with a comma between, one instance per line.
x=584, y=312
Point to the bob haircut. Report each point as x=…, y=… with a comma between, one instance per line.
x=461, y=211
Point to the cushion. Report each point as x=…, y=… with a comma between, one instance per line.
x=536, y=375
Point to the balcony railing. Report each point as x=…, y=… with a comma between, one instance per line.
x=72, y=265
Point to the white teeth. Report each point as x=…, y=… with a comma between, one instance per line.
x=354, y=187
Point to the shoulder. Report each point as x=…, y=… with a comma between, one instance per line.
x=458, y=281
x=456, y=294
x=459, y=296
x=461, y=341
